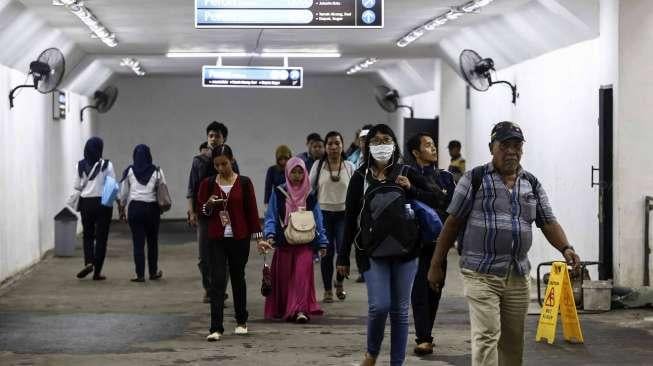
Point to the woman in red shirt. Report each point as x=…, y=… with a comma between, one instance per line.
x=228, y=203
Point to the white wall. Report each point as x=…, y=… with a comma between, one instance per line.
x=446, y=100
x=633, y=178
x=37, y=164
x=170, y=114
x=453, y=115
x=426, y=101
x=558, y=111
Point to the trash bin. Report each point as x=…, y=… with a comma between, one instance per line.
x=597, y=295
x=65, y=233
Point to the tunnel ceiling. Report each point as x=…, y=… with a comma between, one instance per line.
x=510, y=31
x=150, y=28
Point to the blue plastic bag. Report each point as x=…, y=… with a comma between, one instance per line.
x=110, y=191
x=429, y=222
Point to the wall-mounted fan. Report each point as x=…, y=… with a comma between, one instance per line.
x=388, y=99
x=477, y=72
x=104, y=100
x=47, y=72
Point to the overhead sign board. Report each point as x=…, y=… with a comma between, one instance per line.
x=252, y=77
x=288, y=14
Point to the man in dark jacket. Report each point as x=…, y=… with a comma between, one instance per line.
x=441, y=184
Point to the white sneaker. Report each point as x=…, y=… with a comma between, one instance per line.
x=213, y=337
x=301, y=318
x=241, y=330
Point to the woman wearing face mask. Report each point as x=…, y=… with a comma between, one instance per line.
x=329, y=179
x=276, y=173
x=293, y=288
x=228, y=201
x=387, y=252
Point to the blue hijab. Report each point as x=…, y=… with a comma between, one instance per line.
x=142, y=167
x=92, y=154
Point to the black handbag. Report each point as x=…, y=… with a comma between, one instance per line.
x=266, y=278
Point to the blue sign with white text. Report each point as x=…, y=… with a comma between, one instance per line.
x=288, y=14
x=252, y=77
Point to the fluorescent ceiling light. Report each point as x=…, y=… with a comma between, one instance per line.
x=86, y=16
x=207, y=54
x=453, y=13
x=362, y=65
x=300, y=54
x=134, y=65
x=252, y=54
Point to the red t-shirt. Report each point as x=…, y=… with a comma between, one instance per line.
x=244, y=217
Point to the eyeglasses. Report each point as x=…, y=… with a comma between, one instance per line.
x=377, y=141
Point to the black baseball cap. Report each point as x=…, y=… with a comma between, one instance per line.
x=506, y=130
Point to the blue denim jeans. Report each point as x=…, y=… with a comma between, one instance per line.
x=389, y=284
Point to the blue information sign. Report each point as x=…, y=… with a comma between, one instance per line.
x=288, y=14
x=252, y=77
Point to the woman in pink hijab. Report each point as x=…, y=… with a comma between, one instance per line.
x=293, y=288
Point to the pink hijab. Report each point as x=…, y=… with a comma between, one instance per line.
x=299, y=193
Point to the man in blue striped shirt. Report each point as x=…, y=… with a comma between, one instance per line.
x=491, y=215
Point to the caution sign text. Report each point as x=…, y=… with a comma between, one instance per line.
x=559, y=298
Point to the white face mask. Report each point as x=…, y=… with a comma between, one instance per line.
x=382, y=153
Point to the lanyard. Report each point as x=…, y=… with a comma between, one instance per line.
x=226, y=198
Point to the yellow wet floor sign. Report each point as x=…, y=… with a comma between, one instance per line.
x=559, y=297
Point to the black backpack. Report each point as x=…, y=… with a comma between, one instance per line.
x=477, y=181
x=386, y=230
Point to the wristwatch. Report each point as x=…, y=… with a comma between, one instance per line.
x=565, y=248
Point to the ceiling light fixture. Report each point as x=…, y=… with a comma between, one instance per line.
x=253, y=54
x=452, y=14
x=134, y=65
x=362, y=66
x=86, y=16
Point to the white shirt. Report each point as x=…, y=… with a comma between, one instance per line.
x=93, y=188
x=332, y=195
x=132, y=190
x=228, y=230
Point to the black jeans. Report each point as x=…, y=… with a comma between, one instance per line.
x=96, y=220
x=144, y=219
x=424, y=300
x=203, y=256
x=233, y=254
x=334, y=226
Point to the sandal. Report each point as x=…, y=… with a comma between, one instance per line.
x=328, y=296
x=340, y=292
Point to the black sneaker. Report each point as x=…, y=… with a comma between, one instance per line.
x=99, y=278
x=360, y=279
x=85, y=271
x=157, y=276
x=138, y=279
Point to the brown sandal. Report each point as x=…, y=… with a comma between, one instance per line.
x=368, y=360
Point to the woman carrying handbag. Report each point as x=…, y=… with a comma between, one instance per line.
x=138, y=193
x=89, y=186
x=294, y=228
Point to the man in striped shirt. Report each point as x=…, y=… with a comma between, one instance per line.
x=491, y=215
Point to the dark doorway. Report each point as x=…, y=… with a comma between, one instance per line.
x=605, y=182
x=413, y=126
